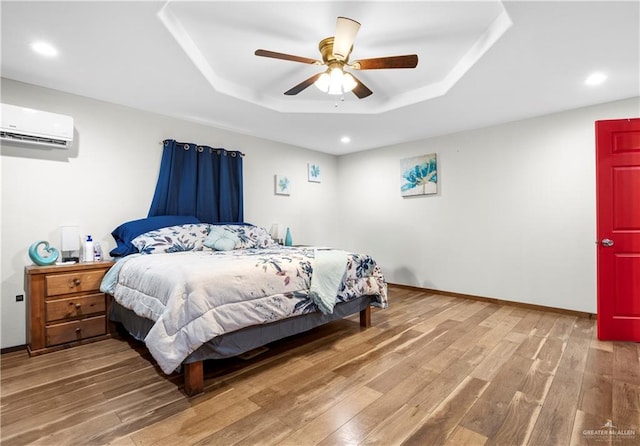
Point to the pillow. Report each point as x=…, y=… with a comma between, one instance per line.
x=221, y=239
x=126, y=232
x=173, y=239
x=260, y=236
x=250, y=236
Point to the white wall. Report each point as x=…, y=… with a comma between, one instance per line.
x=514, y=218
x=109, y=177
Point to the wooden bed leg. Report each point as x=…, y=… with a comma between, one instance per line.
x=193, y=378
x=365, y=317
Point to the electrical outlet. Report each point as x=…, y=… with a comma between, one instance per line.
x=19, y=297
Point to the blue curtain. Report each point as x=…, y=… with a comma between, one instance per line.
x=201, y=181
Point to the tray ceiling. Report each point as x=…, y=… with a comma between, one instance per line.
x=480, y=63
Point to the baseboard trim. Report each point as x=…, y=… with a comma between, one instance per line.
x=582, y=314
x=13, y=349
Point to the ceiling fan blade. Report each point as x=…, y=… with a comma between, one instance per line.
x=361, y=90
x=274, y=55
x=302, y=85
x=408, y=61
x=346, y=30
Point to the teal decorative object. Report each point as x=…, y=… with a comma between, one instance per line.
x=287, y=238
x=43, y=260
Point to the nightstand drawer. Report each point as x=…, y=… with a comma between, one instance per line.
x=76, y=282
x=74, y=307
x=76, y=330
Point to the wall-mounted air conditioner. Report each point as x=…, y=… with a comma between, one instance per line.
x=35, y=127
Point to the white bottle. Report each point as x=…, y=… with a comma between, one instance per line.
x=97, y=252
x=88, y=249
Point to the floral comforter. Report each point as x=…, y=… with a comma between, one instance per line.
x=198, y=295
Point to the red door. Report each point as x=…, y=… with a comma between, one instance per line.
x=618, y=228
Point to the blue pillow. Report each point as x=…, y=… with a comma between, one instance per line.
x=221, y=239
x=126, y=232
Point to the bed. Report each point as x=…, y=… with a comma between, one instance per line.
x=196, y=291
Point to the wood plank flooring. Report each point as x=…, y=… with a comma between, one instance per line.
x=433, y=370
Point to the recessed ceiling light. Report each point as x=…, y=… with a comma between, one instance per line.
x=44, y=49
x=345, y=139
x=596, y=78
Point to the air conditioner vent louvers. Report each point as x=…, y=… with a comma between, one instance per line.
x=32, y=139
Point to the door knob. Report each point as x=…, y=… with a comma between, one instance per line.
x=607, y=242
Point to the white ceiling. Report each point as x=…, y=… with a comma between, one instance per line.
x=480, y=63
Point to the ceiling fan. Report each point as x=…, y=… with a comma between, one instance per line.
x=335, y=56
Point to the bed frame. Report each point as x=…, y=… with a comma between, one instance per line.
x=194, y=371
x=233, y=344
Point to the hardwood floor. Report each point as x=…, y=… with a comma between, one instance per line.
x=433, y=370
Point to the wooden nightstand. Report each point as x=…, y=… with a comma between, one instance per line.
x=65, y=306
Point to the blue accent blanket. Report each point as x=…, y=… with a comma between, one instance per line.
x=328, y=271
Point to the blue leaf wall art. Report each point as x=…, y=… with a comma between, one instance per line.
x=314, y=172
x=283, y=185
x=419, y=175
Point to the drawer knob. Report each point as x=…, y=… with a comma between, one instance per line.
x=78, y=305
x=76, y=281
x=78, y=330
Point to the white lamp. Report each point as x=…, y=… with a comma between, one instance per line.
x=275, y=232
x=70, y=243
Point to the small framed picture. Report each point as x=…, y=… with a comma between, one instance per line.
x=314, y=172
x=283, y=185
x=419, y=175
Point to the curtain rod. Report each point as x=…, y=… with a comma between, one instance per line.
x=200, y=148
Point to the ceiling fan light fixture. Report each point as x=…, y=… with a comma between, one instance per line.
x=335, y=86
x=335, y=51
x=348, y=82
x=323, y=82
x=346, y=30
x=335, y=81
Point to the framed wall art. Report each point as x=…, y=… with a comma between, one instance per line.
x=314, y=173
x=419, y=175
x=283, y=185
